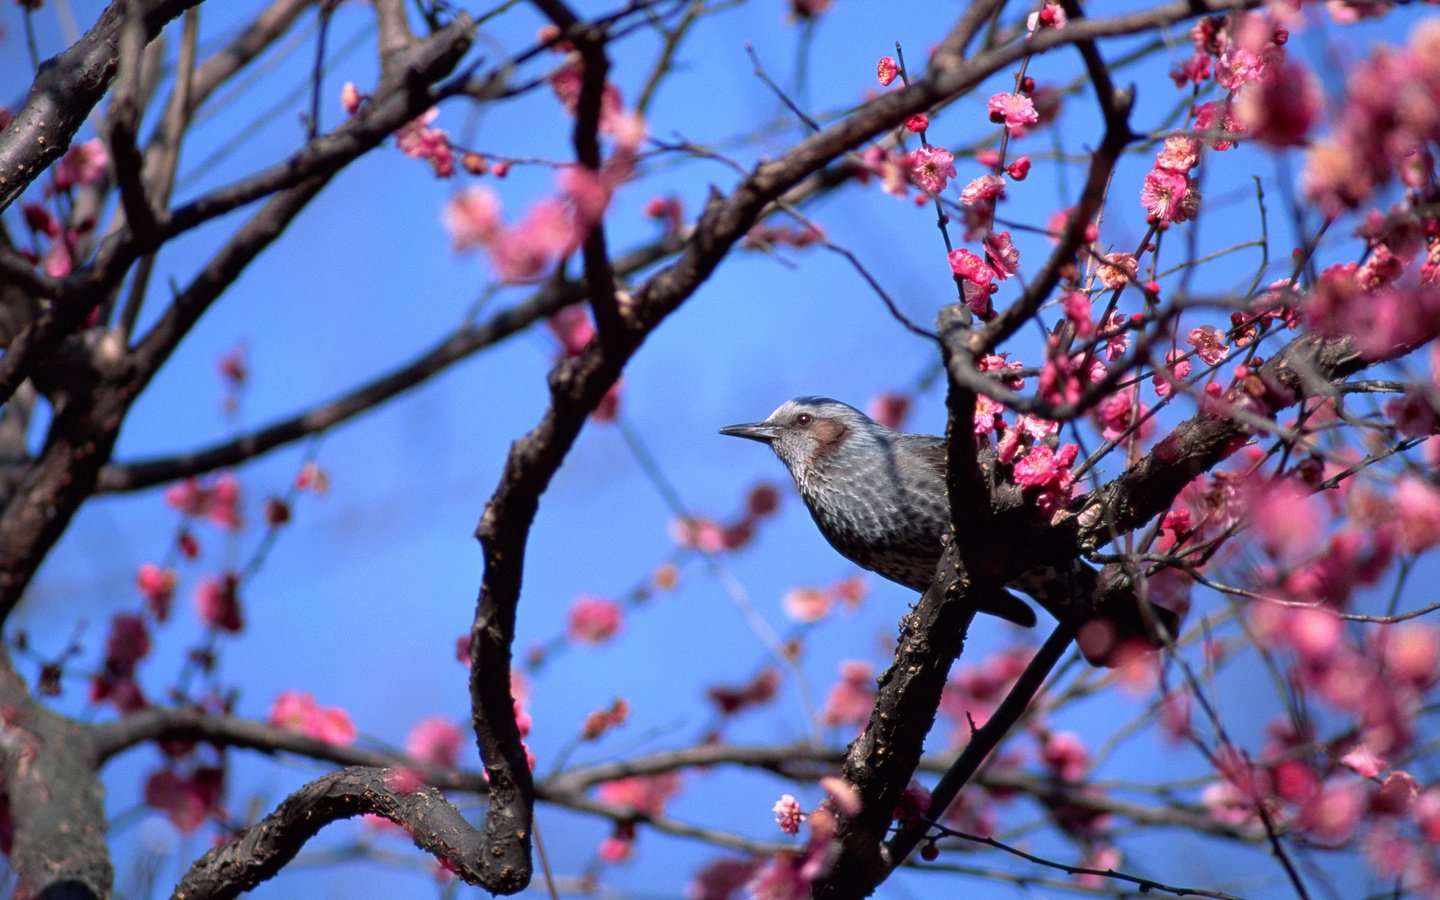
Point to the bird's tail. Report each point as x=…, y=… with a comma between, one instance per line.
x=1010, y=608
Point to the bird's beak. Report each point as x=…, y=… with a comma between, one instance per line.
x=763, y=432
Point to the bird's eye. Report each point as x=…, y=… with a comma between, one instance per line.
x=803, y=420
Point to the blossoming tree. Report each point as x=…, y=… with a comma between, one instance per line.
x=1168, y=278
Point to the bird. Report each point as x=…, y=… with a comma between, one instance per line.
x=879, y=497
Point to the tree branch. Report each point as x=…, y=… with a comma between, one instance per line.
x=260, y=851
x=66, y=89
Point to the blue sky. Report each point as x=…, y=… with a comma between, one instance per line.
x=362, y=598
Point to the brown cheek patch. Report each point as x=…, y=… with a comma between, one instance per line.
x=829, y=434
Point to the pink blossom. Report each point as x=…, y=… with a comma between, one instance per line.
x=1169, y=196
x=1003, y=369
x=40, y=220
x=1019, y=169
x=82, y=164
x=158, y=587
x=219, y=501
x=1064, y=754
x=1238, y=65
x=1397, y=793
x=1119, y=412
x=1051, y=15
x=731, y=699
x=1331, y=815
x=788, y=814
x=1118, y=270
x=472, y=217
x=571, y=325
x=917, y=123
x=850, y=591
x=590, y=192
x=1281, y=108
x=224, y=506
x=645, y=794
x=1042, y=465
x=1314, y=633
x=889, y=409
x=1216, y=124
x=851, y=699
x=789, y=875
x=526, y=251
x=887, y=70
x=1209, y=344
x=988, y=414
x=1048, y=470
x=1175, y=371
x=297, y=711
x=629, y=130
x=568, y=81
x=892, y=167
x=127, y=644
x=1194, y=69
x=807, y=604
x=417, y=140
x=1104, y=858
x=186, y=802
x=971, y=267
x=608, y=409
x=435, y=740
x=1001, y=255
x=982, y=190
x=1180, y=154
x=1364, y=761
x=350, y=98
x=1411, y=652
x=1175, y=714
x=843, y=794
x=762, y=500
x=975, y=691
x=1077, y=305
x=217, y=602
x=1417, y=507
x=593, y=620
x=1286, y=517
x=616, y=848
x=699, y=533
x=599, y=721
x=313, y=477
x=58, y=261
x=1017, y=111
x=931, y=168
x=722, y=879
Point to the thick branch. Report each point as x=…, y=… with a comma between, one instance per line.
x=56, y=803
x=66, y=89
x=983, y=741
x=266, y=847
x=1306, y=367
x=880, y=762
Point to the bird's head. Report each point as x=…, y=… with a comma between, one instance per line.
x=809, y=433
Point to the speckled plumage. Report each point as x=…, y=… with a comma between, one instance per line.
x=878, y=495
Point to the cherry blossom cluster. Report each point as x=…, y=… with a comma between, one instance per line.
x=811, y=604
x=55, y=233
x=555, y=226
x=707, y=535
x=189, y=788
x=1383, y=127
x=645, y=795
